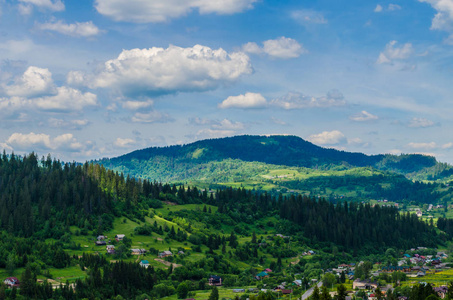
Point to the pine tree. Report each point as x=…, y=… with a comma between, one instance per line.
x=341, y=292
x=254, y=238
x=214, y=294
x=325, y=295
x=315, y=295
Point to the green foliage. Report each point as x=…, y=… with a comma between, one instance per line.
x=182, y=290
x=214, y=294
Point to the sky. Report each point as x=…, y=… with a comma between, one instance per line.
x=87, y=79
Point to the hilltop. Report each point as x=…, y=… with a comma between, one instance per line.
x=288, y=163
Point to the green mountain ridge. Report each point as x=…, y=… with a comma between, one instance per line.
x=289, y=151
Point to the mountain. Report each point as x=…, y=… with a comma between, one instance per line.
x=282, y=163
x=289, y=151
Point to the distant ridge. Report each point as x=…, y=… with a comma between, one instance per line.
x=285, y=150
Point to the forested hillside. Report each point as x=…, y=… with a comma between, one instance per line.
x=50, y=207
x=282, y=163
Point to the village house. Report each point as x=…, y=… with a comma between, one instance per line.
x=144, y=264
x=11, y=282
x=119, y=237
x=138, y=251
x=101, y=243
x=262, y=275
x=441, y=291
x=110, y=249
x=391, y=269
x=364, y=285
x=215, y=280
x=165, y=254
x=101, y=237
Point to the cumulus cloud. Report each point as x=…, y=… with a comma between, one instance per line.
x=84, y=29
x=34, y=82
x=52, y=5
x=252, y=48
x=43, y=142
x=443, y=19
x=334, y=137
x=124, y=143
x=216, y=128
x=226, y=124
x=159, y=71
x=392, y=52
x=145, y=11
x=391, y=7
x=66, y=99
x=363, y=116
x=151, y=117
x=420, y=123
x=299, y=101
x=249, y=100
x=423, y=146
x=35, y=89
x=307, y=16
x=282, y=47
x=138, y=105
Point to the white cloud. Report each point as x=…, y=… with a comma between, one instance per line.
x=71, y=124
x=444, y=17
x=151, y=117
x=300, y=101
x=393, y=7
x=159, y=71
x=423, y=146
x=282, y=47
x=307, y=16
x=363, y=116
x=146, y=11
x=66, y=99
x=35, y=89
x=420, y=123
x=34, y=82
x=358, y=142
x=226, y=124
x=136, y=105
x=32, y=142
x=334, y=137
x=249, y=100
x=395, y=53
x=17, y=46
x=252, y=48
x=85, y=29
x=200, y=121
x=25, y=9
x=214, y=133
x=52, y=5
x=447, y=146
x=124, y=143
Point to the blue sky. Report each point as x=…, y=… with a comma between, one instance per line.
x=91, y=79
